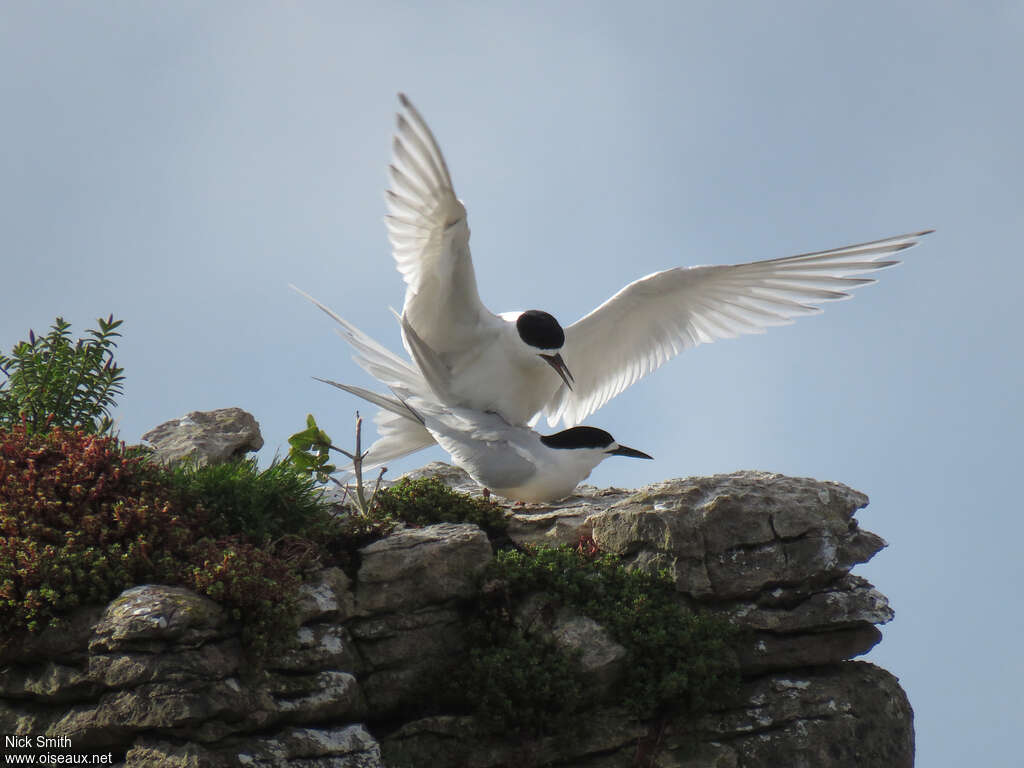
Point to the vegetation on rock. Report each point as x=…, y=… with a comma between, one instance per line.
x=240, y=498
x=677, y=659
x=82, y=518
x=51, y=382
x=427, y=500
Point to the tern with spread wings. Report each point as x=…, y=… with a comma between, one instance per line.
x=521, y=364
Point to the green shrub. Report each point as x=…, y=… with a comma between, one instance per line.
x=677, y=660
x=427, y=501
x=52, y=382
x=241, y=499
x=520, y=681
x=257, y=583
x=82, y=519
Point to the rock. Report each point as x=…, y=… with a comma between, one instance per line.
x=766, y=651
x=455, y=478
x=402, y=651
x=320, y=646
x=457, y=742
x=118, y=715
x=212, y=661
x=209, y=437
x=345, y=747
x=420, y=566
x=601, y=659
x=49, y=681
x=848, y=601
x=329, y=596
x=772, y=553
x=150, y=753
x=852, y=714
x=348, y=746
x=66, y=641
x=732, y=536
x=405, y=585
x=161, y=676
x=327, y=695
x=149, y=617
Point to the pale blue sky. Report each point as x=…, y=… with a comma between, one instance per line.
x=178, y=164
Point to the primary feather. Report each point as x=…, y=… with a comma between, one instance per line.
x=637, y=330
x=653, y=319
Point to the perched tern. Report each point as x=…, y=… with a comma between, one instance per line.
x=502, y=362
x=512, y=461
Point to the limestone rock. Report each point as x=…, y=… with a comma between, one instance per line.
x=160, y=675
x=67, y=641
x=319, y=697
x=457, y=742
x=209, y=437
x=348, y=746
x=420, y=566
x=731, y=536
x=849, y=601
x=49, y=681
x=772, y=553
x=345, y=747
x=853, y=714
x=402, y=650
x=320, y=646
x=452, y=476
x=601, y=659
x=329, y=596
x=117, y=715
x=127, y=669
x=150, y=616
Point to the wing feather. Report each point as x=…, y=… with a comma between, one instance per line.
x=658, y=316
x=427, y=230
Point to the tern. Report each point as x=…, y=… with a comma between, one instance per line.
x=512, y=461
x=503, y=363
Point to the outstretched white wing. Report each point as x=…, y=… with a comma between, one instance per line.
x=653, y=319
x=429, y=236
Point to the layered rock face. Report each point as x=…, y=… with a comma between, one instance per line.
x=157, y=677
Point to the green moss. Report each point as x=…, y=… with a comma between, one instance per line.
x=427, y=501
x=519, y=681
x=678, y=660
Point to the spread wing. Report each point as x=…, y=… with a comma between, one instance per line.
x=429, y=235
x=653, y=319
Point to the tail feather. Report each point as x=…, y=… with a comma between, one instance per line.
x=399, y=437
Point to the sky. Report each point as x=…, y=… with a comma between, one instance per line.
x=179, y=164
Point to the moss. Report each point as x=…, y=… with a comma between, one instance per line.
x=678, y=660
x=427, y=501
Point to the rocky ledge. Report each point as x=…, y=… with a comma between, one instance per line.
x=158, y=677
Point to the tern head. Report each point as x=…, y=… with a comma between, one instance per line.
x=590, y=439
x=540, y=332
